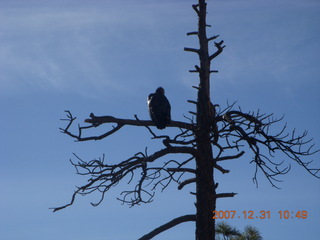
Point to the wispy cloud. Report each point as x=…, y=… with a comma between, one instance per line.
x=272, y=42
x=87, y=46
x=74, y=45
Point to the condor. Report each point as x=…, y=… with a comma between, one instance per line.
x=159, y=108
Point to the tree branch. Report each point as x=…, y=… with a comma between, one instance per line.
x=168, y=225
x=230, y=157
x=221, y=169
x=252, y=129
x=191, y=50
x=104, y=176
x=192, y=33
x=182, y=170
x=213, y=38
x=219, y=50
x=195, y=8
x=225, y=195
x=186, y=182
x=95, y=120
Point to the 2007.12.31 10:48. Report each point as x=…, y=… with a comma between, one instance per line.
x=231, y=214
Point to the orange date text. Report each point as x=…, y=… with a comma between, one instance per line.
x=232, y=214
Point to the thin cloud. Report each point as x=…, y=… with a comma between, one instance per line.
x=79, y=46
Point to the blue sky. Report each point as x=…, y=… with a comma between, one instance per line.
x=106, y=57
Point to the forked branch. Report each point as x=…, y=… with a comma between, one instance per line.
x=97, y=121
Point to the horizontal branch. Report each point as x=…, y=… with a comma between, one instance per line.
x=191, y=101
x=168, y=225
x=191, y=50
x=230, y=157
x=192, y=33
x=189, y=170
x=225, y=195
x=171, y=150
x=95, y=120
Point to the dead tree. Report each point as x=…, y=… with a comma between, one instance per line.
x=208, y=139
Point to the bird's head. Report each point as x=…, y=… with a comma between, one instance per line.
x=160, y=90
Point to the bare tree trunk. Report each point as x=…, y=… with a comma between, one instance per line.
x=205, y=224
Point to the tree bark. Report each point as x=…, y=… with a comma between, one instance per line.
x=205, y=224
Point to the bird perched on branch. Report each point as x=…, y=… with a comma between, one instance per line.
x=159, y=108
